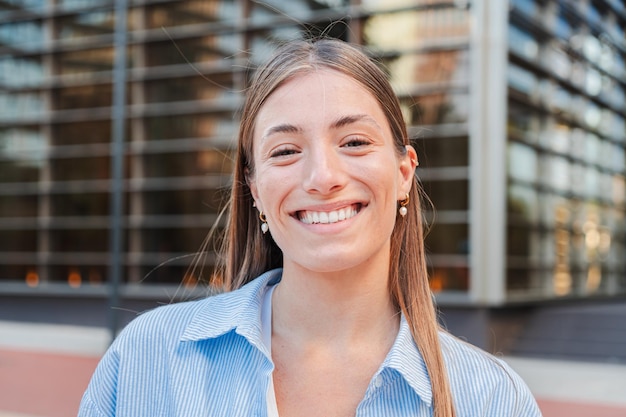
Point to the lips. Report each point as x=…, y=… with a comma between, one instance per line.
x=327, y=217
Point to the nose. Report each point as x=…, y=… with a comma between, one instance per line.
x=324, y=171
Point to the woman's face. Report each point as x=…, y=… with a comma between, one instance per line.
x=327, y=174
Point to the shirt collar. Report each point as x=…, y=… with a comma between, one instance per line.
x=406, y=359
x=238, y=310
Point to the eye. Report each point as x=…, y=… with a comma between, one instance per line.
x=355, y=142
x=283, y=151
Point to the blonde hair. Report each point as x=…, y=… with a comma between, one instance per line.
x=248, y=253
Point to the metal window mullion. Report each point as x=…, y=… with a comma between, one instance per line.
x=487, y=126
x=118, y=120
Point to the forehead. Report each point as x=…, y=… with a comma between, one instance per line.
x=320, y=96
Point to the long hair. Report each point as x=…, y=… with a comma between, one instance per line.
x=248, y=253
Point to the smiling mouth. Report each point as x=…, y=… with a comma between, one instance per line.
x=327, y=217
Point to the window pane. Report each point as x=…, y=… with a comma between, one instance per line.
x=207, y=87
x=78, y=133
x=191, y=12
x=181, y=202
x=18, y=241
x=84, y=62
x=79, y=240
x=203, y=162
x=448, y=195
x=442, y=152
x=18, y=171
x=79, y=275
x=18, y=205
x=449, y=278
x=67, y=169
x=174, y=240
x=85, y=24
x=382, y=31
x=209, y=48
x=448, y=239
x=94, y=95
x=190, y=126
x=21, y=71
x=84, y=204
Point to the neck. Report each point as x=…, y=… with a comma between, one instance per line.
x=339, y=308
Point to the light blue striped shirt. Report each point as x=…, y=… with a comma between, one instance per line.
x=207, y=358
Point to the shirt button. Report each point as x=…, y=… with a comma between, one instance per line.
x=378, y=381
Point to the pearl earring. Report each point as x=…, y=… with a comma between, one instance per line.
x=403, y=210
x=264, y=226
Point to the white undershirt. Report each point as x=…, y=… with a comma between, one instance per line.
x=266, y=330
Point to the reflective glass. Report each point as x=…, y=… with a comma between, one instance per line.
x=298, y=10
x=23, y=170
x=451, y=278
x=22, y=154
x=555, y=172
x=522, y=163
x=436, y=108
x=523, y=122
x=409, y=70
x=526, y=279
x=79, y=240
x=209, y=161
x=448, y=239
x=84, y=96
x=81, y=25
x=448, y=195
x=407, y=29
x=191, y=12
x=442, y=152
x=79, y=133
x=87, y=168
x=521, y=80
x=172, y=273
x=522, y=204
x=18, y=205
x=216, y=49
x=22, y=35
x=19, y=272
x=81, y=204
x=21, y=71
x=181, y=202
x=528, y=7
x=18, y=241
x=207, y=87
x=21, y=106
x=84, y=62
x=523, y=43
x=190, y=126
x=174, y=239
x=77, y=275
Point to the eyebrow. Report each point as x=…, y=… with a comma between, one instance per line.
x=281, y=128
x=336, y=124
x=350, y=119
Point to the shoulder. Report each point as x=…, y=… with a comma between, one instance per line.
x=481, y=381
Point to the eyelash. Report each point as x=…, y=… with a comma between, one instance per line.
x=354, y=142
x=282, y=152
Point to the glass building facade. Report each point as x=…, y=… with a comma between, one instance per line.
x=519, y=124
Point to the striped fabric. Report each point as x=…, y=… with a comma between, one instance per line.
x=207, y=358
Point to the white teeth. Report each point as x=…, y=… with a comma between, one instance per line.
x=325, y=217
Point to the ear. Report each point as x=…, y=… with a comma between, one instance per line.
x=408, y=163
x=253, y=190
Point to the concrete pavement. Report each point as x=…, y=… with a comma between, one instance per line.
x=44, y=370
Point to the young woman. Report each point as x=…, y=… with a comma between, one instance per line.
x=327, y=311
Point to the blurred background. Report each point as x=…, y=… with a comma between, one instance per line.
x=117, y=128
